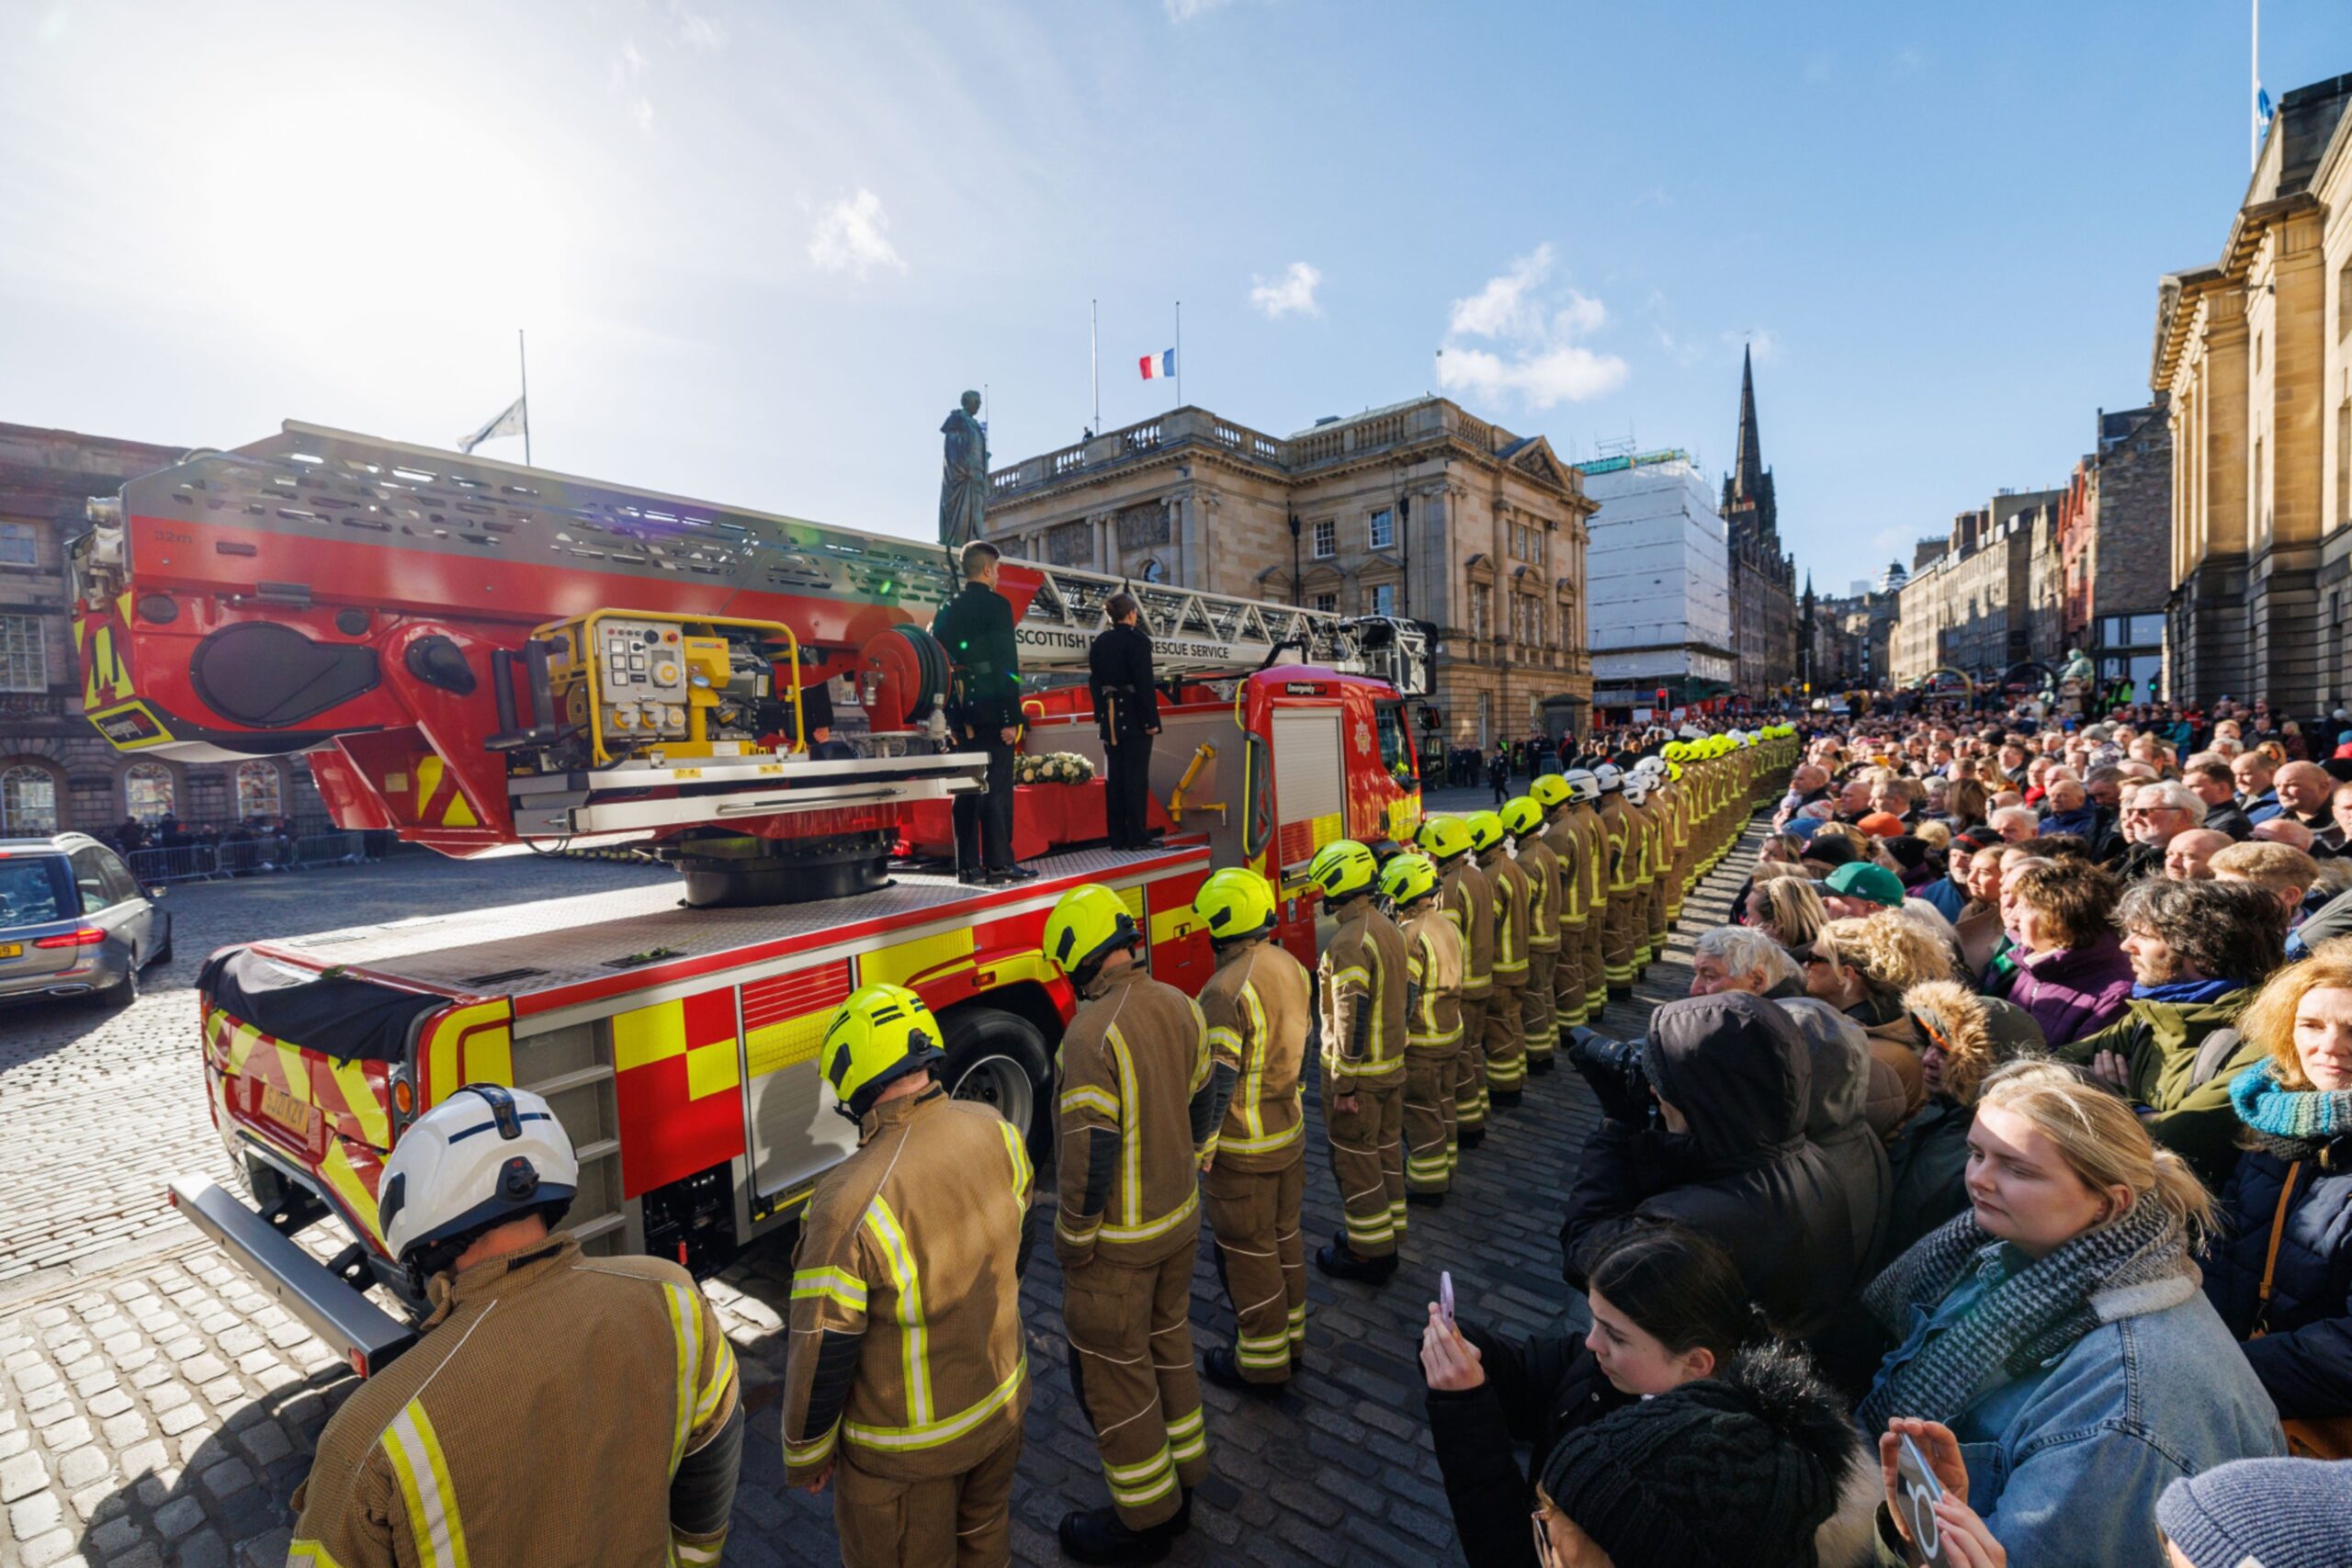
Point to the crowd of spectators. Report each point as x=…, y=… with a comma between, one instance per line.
x=1993, y=1184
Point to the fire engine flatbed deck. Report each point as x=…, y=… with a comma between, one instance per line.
x=559, y=951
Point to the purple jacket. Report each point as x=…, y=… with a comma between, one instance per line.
x=2075, y=990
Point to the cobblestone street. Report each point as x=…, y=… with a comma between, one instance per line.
x=156, y=1408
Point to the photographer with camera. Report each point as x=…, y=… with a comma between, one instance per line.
x=1704, y=1126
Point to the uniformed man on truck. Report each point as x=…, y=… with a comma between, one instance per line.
x=1538, y=1033
x=1505, y=1050
x=976, y=628
x=1360, y=994
x=1468, y=896
x=1139, y=1106
x=442, y=1457
x=1433, y=1025
x=907, y=1380
x=1126, y=715
x=1258, y=1004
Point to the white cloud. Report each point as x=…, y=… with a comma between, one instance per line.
x=1757, y=340
x=1909, y=60
x=1543, y=363
x=695, y=29
x=640, y=113
x=1182, y=11
x=1291, y=294
x=850, y=236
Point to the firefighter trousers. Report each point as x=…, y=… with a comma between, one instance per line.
x=1657, y=916
x=1368, y=1162
x=1537, y=1033
x=1596, y=964
x=1429, y=1148
x=1567, y=982
x=1505, y=1052
x=1470, y=1068
x=1621, y=938
x=1131, y=1360
x=1254, y=1216
x=964, y=1520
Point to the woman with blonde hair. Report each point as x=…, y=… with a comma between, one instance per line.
x=1861, y=967
x=2058, y=1366
x=1787, y=909
x=2280, y=1272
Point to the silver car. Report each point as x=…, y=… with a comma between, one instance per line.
x=73, y=921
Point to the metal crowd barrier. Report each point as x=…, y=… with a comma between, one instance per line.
x=188, y=863
x=336, y=848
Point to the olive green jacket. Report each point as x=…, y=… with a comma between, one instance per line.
x=2160, y=1043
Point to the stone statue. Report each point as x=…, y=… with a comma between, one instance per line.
x=964, y=475
x=2079, y=668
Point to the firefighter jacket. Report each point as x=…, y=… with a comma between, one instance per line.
x=1587, y=821
x=906, y=1356
x=1361, y=987
x=1258, y=1005
x=1625, y=831
x=1574, y=859
x=1511, y=913
x=1467, y=894
x=1542, y=868
x=557, y=1409
x=1136, y=1112
x=976, y=627
x=1434, y=958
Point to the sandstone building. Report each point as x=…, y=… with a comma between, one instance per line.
x=55, y=772
x=1986, y=598
x=1419, y=509
x=2114, y=537
x=2251, y=352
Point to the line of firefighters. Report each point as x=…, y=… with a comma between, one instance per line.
x=1454, y=969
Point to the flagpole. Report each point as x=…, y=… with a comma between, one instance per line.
x=1094, y=357
x=1179, y=353
x=523, y=363
x=2254, y=96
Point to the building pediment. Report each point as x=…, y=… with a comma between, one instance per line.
x=1535, y=459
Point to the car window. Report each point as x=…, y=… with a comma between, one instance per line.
x=33, y=889
x=1395, y=751
x=90, y=877
x=120, y=882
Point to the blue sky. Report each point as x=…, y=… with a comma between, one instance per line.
x=761, y=248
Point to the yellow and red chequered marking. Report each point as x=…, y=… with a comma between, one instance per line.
x=350, y=1128
x=678, y=1088
x=468, y=1045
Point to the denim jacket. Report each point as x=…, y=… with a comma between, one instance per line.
x=2065, y=1463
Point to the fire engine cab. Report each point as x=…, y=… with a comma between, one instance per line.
x=478, y=655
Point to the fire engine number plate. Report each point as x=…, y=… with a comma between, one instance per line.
x=288, y=1111
x=12, y=949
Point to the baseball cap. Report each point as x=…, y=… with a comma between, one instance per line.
x=1863, y=879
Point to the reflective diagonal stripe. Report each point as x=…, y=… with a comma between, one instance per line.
x=1130, y=1137
x=686, y=1330
x=816, y=1450
x=1088, y=1098
x=844, y=1289
x=1254, y=1082
x=1019, y=1154
x=714, y=1389
x=1187, y=1438
x=435, y=1528
x=914, y=1344
x=312, y=1552
x=931, y=1434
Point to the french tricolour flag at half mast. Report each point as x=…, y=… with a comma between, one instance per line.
x=1159, y=367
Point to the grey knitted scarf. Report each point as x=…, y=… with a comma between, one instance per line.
x=2029, y=1314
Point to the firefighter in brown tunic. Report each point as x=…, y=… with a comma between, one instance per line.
x=1258, y=1005
x=1433, y=957
x=1649, y=903
x=1360, y=993
x=1584, y=818
x=1140, y=1103
x=907, y=1380
x=1468, y=896
x=1564, y=840
x=1538, y=1032
x=442, y=1457
x=1505, y=1049
x=1622, y=936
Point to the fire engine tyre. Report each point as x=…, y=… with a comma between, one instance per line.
x=1000, y=1059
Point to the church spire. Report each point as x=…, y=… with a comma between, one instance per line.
x=1747, y=469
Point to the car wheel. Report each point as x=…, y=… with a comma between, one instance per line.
x=123, y=992
x=998, y=1059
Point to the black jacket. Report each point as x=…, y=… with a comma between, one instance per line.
x=976, y=627
x=1739, y=1070
x=1535, y=1393
x=2305, y=1357
x=1837, y=1115
x=1118, y=677
x=2228, y=818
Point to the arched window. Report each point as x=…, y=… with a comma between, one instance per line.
x=258, y=792
x=27, y=800
x=147, y=791
x=1153, y=571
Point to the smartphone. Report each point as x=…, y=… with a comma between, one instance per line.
x=1445, y=1296
x=1920, y=1493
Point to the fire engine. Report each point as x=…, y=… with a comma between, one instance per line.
x=477, y=655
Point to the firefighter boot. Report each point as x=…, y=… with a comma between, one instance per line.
x=1342, y=1263
x=1222, y=1369
x=1095, y=1535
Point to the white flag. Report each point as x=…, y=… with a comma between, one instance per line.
x=510, y=422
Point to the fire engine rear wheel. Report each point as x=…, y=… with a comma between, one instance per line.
x=998, y=1059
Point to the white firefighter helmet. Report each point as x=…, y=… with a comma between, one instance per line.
x=1650, y=767
x=1608, y=777
x=486, y=1153
x=1637, y=788
x=1583, y=785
